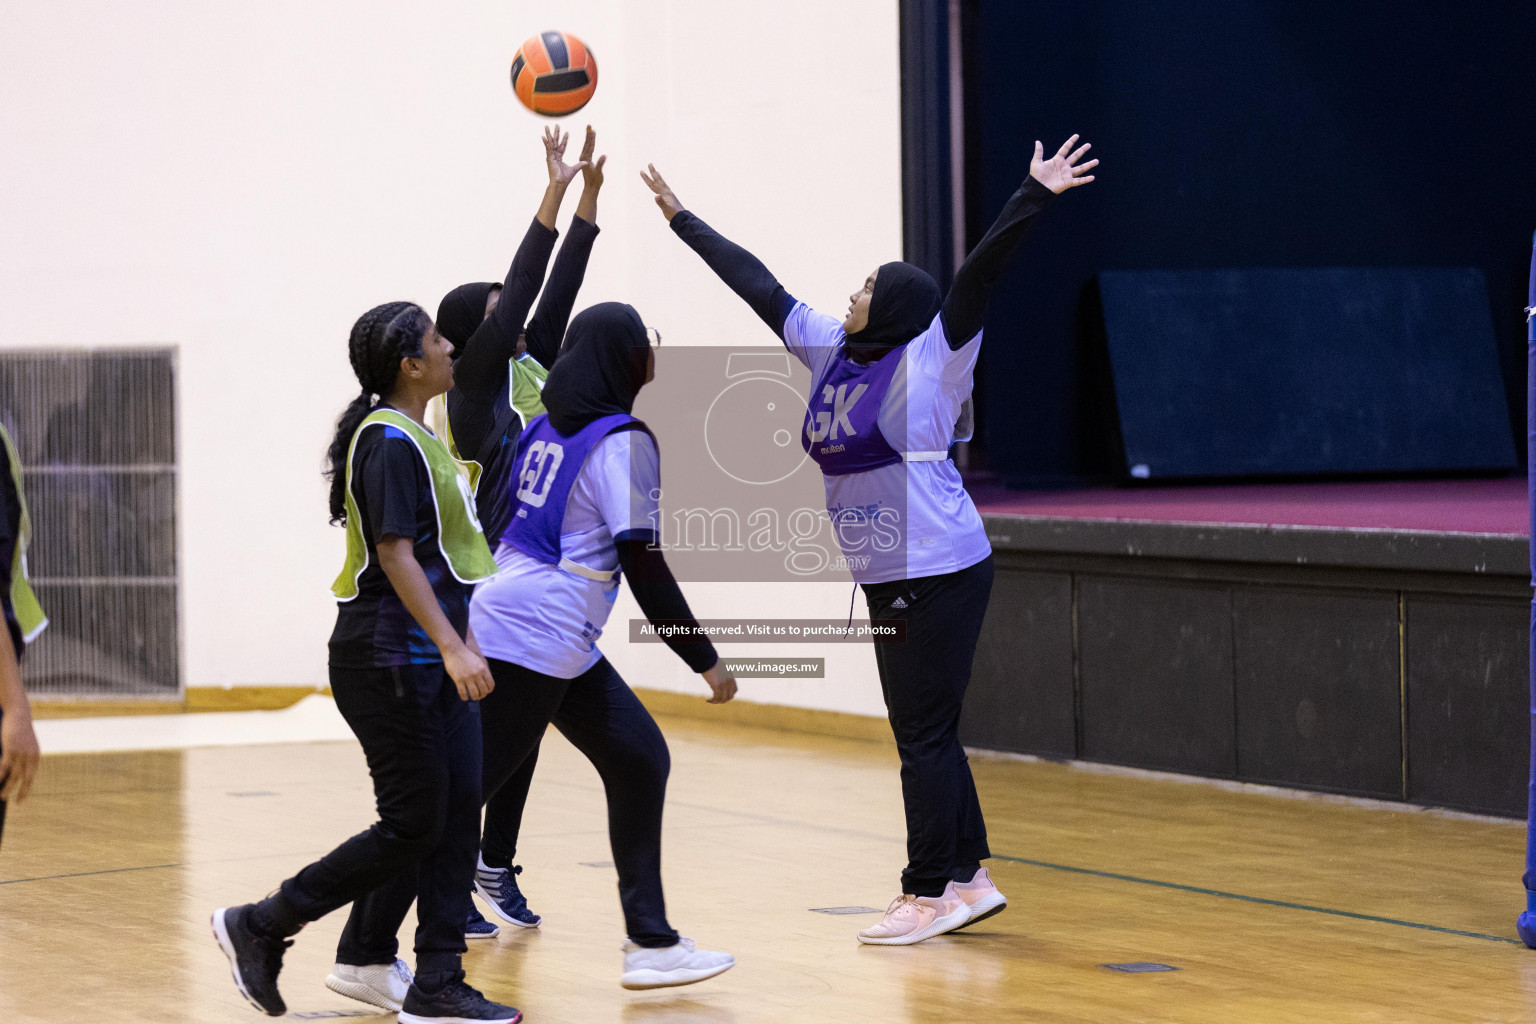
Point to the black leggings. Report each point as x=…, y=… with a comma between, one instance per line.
x=423, y=749
x=924, y=681
x=504, y=814
x=602, y=718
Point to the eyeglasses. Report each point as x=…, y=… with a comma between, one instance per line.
x=653, y=336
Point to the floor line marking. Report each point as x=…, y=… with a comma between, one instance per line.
x=1257, y=899
x=84, y=874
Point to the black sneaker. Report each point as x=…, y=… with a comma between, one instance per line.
x=477, y=927
x=458, y=1003
x=254, y=959
x=499, y=888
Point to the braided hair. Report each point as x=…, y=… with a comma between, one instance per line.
x=380, y=339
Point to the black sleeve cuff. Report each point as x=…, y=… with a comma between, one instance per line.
x=684, y=223
x=1033, y=189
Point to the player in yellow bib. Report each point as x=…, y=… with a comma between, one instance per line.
x=499, y=373
x=24, y=620
x=406, y=674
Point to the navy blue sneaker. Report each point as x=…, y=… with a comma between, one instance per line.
x=457, y=1003
x=478, y=927
x=498, y=887
x=254, y=959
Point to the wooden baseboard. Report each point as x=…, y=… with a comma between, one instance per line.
x=43, y=707
x=665, y=703
x=660, y=702
x=196, y=699
x=248, y=698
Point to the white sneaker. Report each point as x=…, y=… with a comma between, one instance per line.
x=981, y=896
x=681, y=964
x=381, y=985
x=912, y=919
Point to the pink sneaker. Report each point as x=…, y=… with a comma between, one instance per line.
x=981, y=897
x=912, y=919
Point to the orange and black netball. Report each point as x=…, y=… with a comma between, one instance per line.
x=554, y=74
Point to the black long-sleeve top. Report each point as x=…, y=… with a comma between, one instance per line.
x=485, y=425
x=480, y=372
x=546, y=330
x=478, y=407
x=486, y=429
x=662, y=601
x=964, y=306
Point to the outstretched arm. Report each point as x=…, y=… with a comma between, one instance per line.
x=744, y=273
x=662, y=601
x=547, y=328
x=966, y=303
x=510, y=316
x=481, y=370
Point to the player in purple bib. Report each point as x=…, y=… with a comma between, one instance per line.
x=500, y=360
x=541, y=491
x=584, y=484
x=890, y=395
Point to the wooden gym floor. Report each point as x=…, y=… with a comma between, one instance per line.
x=1272, y=908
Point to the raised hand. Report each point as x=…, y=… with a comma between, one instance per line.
x=1062, y=171
x=560, y=172
x=666, y=199
x=591, y=173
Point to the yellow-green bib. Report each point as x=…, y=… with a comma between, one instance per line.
x=459, y=535
x=525, y=377
x=29, y=614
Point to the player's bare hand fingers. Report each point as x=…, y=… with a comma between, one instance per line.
x=1077, y=154
x=28, y=773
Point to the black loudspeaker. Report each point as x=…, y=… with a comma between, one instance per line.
x=1326, y=371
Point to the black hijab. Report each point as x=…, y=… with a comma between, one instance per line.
x=601, y=367
x=905, y=301
x=462, y=311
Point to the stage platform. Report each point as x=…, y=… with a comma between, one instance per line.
x=1363, y=638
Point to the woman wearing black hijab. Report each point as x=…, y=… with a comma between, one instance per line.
x=583, y=499
x=890, y=392
x=500, y=366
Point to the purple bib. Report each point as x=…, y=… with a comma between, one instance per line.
x=842, y=419
x=543, y=472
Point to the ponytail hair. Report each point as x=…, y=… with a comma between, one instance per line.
x=380, y=339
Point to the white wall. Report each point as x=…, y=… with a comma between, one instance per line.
x=243, y=180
